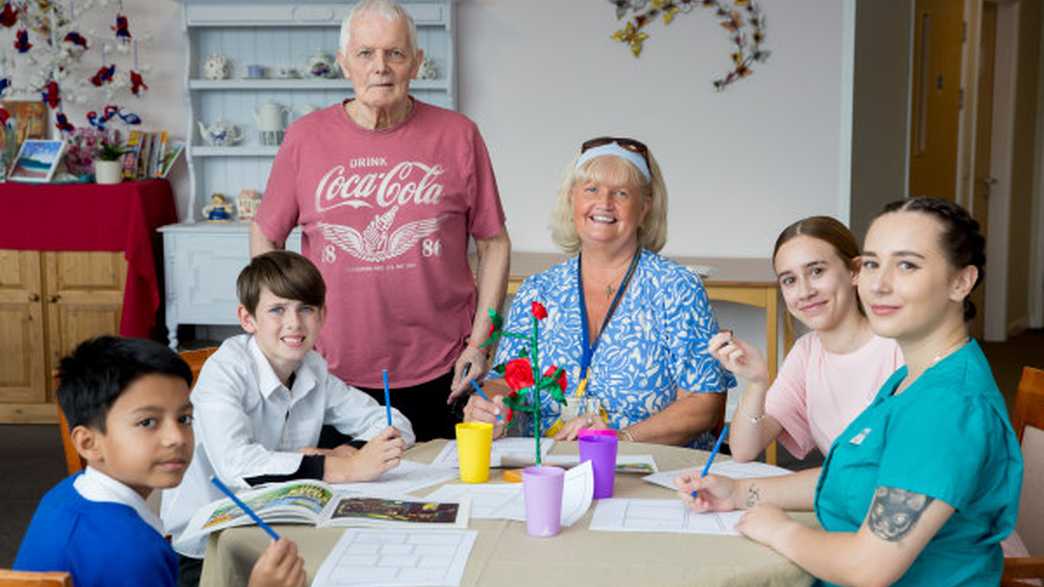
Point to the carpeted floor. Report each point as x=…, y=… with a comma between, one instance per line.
x=31, y=456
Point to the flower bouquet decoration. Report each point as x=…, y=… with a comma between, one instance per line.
x=523, y=375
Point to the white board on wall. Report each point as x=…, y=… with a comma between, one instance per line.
x=540, y=76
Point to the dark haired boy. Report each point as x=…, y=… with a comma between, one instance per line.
x=262, y=399
x=127, y=403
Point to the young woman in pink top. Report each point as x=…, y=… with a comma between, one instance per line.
x=833, y=372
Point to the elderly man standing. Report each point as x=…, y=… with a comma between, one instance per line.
x=388, y=189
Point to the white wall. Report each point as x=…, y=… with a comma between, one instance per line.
x=541, y=76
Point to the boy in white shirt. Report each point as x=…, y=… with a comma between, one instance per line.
x=127, y=404
x=262, y=399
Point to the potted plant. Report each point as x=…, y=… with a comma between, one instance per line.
x=108, y=160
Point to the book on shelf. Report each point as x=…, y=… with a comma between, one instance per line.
x=130, y=159
x=170, y=157
x=150, y=154
x=319, y=504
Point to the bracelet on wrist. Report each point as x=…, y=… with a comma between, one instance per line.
x=757, y=419
x=625, y=435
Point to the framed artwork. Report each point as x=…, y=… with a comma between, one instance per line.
x=37, y=160
x=30, y=118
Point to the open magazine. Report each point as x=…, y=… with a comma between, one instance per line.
x=319, y=504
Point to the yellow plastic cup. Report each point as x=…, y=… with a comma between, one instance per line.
x=474, y=443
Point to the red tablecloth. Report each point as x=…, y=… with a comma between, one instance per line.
x=91, y=217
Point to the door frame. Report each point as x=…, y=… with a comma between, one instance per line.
x=1002, y=146
x=1036, y=293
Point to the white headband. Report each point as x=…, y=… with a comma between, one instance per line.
x=616, y=151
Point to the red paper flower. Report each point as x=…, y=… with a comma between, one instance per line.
x=518, y=374
x=538, y=310
x=561, y=376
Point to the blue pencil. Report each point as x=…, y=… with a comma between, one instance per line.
x=482, y=394
x=387, y=396
x=714, y=453
x=253, y=515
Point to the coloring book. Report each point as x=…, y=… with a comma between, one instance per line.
x=317, y=503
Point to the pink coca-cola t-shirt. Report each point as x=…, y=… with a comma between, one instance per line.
x=386, y=216
x=817, y=394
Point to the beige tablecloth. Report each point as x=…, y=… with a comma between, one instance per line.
x=505, y=556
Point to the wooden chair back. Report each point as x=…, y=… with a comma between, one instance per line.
x=10, y=578
x=1027, y=419
x=73, y=461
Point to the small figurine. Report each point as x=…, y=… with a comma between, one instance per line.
x=219, y=209
x=246, y=205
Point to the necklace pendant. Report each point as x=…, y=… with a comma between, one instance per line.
x=609, y=289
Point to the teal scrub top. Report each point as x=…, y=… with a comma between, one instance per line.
x=946, y=436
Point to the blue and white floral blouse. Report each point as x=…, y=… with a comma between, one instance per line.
x=655, y=343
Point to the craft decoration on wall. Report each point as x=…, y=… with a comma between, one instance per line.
x=46, y=50
x=742, y=19
x=523, y=375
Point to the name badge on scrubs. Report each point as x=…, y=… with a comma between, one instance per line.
x=859, y=438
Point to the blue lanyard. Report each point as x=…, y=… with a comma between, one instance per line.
x=588, y=347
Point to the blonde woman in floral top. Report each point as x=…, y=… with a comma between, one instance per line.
x=630, y=324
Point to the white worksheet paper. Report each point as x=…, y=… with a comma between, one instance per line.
x=365, y=557
x=659, y=515
x=408, y=477
x=732, y=469
x=518, y=449
x=506, y=502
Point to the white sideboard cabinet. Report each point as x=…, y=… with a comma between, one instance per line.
x=201, y=262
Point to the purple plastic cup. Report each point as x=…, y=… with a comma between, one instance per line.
x=601, y=451
x=542, y=491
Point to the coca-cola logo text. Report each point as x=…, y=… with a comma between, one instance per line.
x=407, y=181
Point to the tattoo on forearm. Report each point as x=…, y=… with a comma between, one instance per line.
x=753, y=496
x=895, y=512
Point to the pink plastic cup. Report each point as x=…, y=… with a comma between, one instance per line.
x=601, y=451
x=542, y=491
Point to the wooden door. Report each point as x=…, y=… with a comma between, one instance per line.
x=983, y=140
x=84, y=297
x=936, y=104
x=22, y=374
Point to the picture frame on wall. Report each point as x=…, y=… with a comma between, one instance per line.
x=30, y=119
x=37, y=160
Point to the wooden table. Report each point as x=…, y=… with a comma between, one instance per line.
x=746, y=281
x=504, y=555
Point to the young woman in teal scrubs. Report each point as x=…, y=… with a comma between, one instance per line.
x=921, y=488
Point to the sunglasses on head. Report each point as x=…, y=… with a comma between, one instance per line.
x=632, y=145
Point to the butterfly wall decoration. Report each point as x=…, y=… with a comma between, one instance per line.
x=743, y=20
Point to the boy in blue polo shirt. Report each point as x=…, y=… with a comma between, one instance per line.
x=127, y=403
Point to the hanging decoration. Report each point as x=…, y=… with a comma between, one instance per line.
x=742, y=19
x=52, y=53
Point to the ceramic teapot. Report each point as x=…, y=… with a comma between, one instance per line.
x=269, y=116
x=220, y=134
x=217, y=67
x=322, y=65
